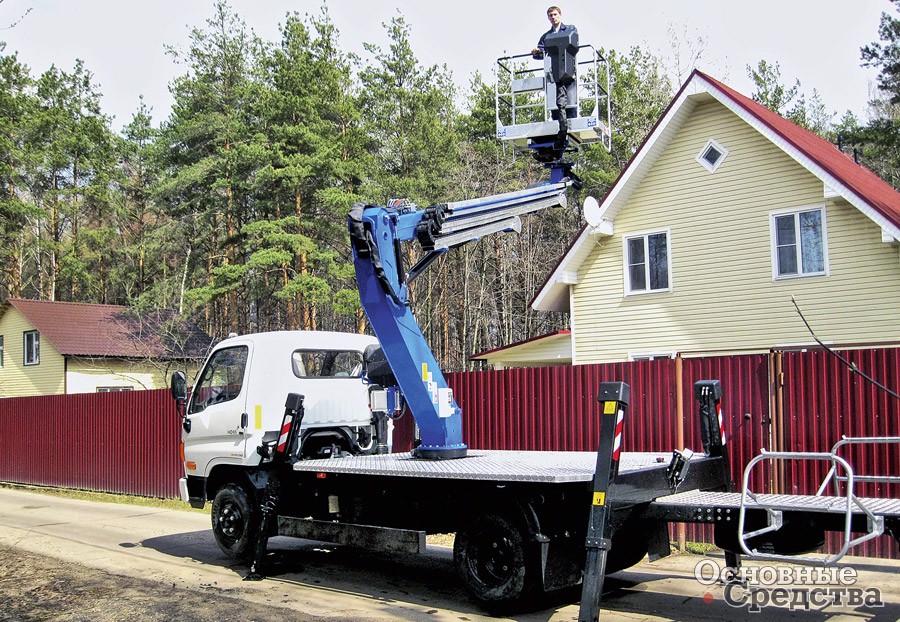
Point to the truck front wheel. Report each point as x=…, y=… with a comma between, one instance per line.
x=234, y=522
x=490, y=557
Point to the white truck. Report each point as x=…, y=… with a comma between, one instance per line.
x=240, y=392
x=289, y=433
x=314, y=464
x=521, y=517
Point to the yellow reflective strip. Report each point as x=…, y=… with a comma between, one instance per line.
x=599, y=498
x=257, y=412
x=609, y=408
x=424, y=372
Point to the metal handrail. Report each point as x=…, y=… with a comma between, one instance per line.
x=590, y=87
x=875, y=524
x=859, y=440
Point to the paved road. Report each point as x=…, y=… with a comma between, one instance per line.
x=176, y=548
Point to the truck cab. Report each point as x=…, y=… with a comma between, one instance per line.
x=239, y=396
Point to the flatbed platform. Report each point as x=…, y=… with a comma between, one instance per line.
x=495, y=465
x=799, y=503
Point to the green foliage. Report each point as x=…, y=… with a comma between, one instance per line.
x=789, y=102
x=233, y=209
x=409, y=115
x=878, y=143
x=885, y=56
x=640, y=92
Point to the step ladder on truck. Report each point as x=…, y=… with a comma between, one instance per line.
x=526, y=522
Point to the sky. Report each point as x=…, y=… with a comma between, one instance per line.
x=123, y=42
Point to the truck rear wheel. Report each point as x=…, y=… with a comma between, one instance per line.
x=490, y=557
x=234, y=522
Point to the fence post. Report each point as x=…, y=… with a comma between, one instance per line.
x=680, y=528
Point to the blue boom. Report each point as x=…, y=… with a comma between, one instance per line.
x=376, y=234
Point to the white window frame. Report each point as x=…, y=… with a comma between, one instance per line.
x=2, y=350
x=651, y=356
x=773, y=235
x=625, y=265
x=34, y=350
x=705, y=163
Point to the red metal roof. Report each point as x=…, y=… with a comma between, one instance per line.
x=872, y=193
x=79, y=329
x=868, y=186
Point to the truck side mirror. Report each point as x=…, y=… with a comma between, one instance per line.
x=178, y=386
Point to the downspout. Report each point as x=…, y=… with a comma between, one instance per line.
x=572, y=321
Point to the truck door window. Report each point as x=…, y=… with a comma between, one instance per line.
x=221, y=380
x=327, y=363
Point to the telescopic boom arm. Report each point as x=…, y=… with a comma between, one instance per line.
x=376, y=234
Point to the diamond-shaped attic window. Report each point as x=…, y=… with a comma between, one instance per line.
x=712, y=156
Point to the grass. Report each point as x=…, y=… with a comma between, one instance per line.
x=700, y=548
x=104, y=497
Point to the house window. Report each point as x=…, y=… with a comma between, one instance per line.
x=799, y=243
x=113, y=389
x=32, y=347
x=647, y=263
x=1, y=350
x=650, y=356
x=712, y=156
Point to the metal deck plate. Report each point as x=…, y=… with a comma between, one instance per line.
x=807, y=503
x=494, y=465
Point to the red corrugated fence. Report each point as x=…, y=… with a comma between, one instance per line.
x=805, y=401
x=122, y=442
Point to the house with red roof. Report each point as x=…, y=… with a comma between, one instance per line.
x=53, y=348
x=725, y=213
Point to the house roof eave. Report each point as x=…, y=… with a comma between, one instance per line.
x=553, y=294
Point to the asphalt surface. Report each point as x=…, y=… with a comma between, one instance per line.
x=68, y=559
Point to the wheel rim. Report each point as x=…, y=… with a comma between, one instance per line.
x=493, y=561
x=231, y=521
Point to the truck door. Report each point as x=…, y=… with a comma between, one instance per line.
x=216, y=409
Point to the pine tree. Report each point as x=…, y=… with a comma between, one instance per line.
x=16, y=209
x=212, y=148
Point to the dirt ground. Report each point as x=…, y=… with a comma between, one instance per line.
x=76, y=560
x=34, y=587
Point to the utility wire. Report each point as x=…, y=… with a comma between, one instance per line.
x=850, y=364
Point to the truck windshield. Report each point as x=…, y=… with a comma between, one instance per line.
x=221, y=380
x=327, y=363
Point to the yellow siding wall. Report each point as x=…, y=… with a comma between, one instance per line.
x=724, y=296
x=555, y=350
x=16, y=380
x=85, y=375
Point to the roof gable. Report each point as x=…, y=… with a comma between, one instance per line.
x=860, y=187
x=79, y=329
x=553, y=348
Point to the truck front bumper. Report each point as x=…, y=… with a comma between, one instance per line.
x=183, y=490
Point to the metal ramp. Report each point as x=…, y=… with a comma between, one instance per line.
x=843, y=512
x=525, y=98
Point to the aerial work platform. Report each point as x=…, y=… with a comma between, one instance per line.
x=526, y=102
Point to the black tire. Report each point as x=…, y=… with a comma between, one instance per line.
x=235, y=522
x=490, y=557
